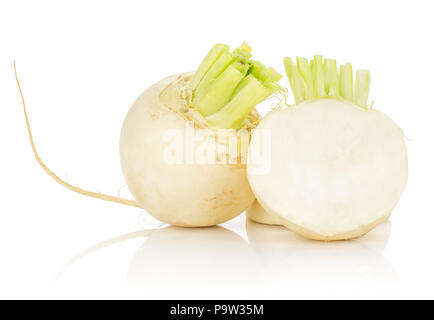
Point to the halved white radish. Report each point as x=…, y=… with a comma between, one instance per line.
x=330, y=169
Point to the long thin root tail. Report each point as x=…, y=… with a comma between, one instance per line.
x=92, y=194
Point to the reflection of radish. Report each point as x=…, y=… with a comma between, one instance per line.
x=335, y=168
x=342, y=269
x=178, y=261
x=184, y=141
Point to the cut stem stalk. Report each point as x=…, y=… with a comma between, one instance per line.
x=220, y=91
x=209, y=60
x=234, y=113
x=346, y=81
x=363, y=79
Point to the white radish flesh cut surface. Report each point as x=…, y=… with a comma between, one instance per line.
x=332, y=170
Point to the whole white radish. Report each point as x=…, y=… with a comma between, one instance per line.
x=184, y=141
x=182, y=193
x=333, y=168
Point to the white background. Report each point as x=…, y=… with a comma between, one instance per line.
x=83, y=63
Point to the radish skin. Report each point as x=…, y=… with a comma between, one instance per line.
x=258, y=214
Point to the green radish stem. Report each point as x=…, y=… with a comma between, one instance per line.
x=298, y=85
x=318, y=77
x=363, y=79
x=321, y=79
x=209, y=60
x=305, y=71
x=228, y=85
x=233, y=114
x=219, y=92
x=346, y=81
x=331, y=77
